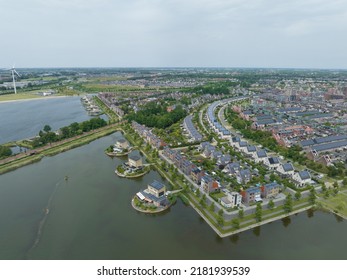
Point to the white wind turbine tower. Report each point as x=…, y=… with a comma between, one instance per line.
x=14, y=73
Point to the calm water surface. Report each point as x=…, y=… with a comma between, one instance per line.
x=90, y=217
x=24, y=119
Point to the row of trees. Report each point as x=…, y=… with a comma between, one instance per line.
x=154, y=115
x=74, y=129
x=5, y=151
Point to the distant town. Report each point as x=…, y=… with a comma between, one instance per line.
x=243, y=147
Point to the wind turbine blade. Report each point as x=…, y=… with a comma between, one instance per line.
x=16, y=72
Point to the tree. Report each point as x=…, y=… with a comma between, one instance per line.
x=258, y=212
x=197, y=192
x=271, y=204
x=236, y=223
x=5, y=151
x=241, y=213
x=312, y=196
x=297, y=195
x=288, y=204
x=220, y=212
x=220, y=220
x=212, y=207
x=47, y=128
x=203, y=201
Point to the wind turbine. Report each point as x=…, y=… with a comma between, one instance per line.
x=14, y=72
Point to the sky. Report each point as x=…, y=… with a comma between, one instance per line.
x=174, y=33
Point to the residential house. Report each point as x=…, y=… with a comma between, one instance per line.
x=251, y=150
x=302, y=178
x=273, y=163
x=243, y=176
x=232, y=168
x=260, y=156
x=270, y=190
x=122, y=144
x=251, y=195
x=196, y=175
x=208, y=184
x=286, y=169
x=135, y=161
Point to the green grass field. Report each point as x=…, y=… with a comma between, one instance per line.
x=18, y=96
x=337, y=204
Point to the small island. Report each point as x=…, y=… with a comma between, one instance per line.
x=120, y=148
x=133, y=168
x=154, y=199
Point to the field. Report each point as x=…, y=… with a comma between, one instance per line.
x=337, y=204
x=18, y=96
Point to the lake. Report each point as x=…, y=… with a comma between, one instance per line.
x=24, y=119
x=90, y=217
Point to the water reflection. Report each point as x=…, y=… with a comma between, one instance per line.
x=218, y=239
x=256, y=231
x=310, y=213
x=234, y=238
x=338, y=218
x=286, y=221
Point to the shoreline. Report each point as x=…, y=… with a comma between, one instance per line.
x=35, y=98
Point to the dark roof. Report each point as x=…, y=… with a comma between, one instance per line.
x=304, y=175
x=287, y=167
x=273, y=160
x=251, y=148
x=272, y=185
x=253, y=190
x=323, y=140
x=134, y=157
x=329, y=146
x=157, y=185
x=121, y=140
x=261, y=153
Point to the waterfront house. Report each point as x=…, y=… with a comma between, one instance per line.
x=122, y=144
x=231, y=200
x=155, y=194
x=270, y=190
x=156, y=188
x=135, y=161
x=251, y=195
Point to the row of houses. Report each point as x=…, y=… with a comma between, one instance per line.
x=301, y=178
x=214, y=123
x=207, y=183
x=192, y=131
x=148, y=136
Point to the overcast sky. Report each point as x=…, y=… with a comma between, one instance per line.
x=174, y=33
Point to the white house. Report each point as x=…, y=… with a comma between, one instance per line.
x=286, y=169
x=302, y=178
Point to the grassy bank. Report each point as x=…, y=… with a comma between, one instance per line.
x=18, y=96
x=59, y=148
